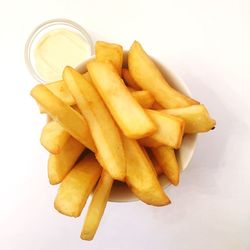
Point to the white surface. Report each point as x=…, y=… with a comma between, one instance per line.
x=207, y=44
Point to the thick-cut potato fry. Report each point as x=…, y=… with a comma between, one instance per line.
x=148, y=77
x=87, y=77
x=104, y=131
x=110, y=52
x=196, y=118
x=144, y=98
x=73, y=122
x=77, y=186
x=157, y=167
x=150, y=142
x=130, y=82
x=60, y=164
x=129, y=115
x=60, y=90
x=97, y=206
x=170, y=130
x=165, y=156
x=157, y=106
x=141, y=176
x=54, y=137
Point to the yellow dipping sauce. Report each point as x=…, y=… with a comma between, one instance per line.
x=57, y=49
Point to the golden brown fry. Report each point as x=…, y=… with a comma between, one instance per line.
x=73, y=122
x=150, y=142
x=165, y=156
x=157, y=167
x=60, y=164
x=130, y=82
x=144, y=98
x=97, y=206
x=102, y=126
x=77, y=186
x=60, y=90
x=129, y=115
x=196, y=118
x=54, y=137
x=148, y=77
x=141, y=176
x=157, y=106
x=170, y=130
x=110, y=52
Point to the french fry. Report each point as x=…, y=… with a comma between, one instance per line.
x=54, y=137
x=69, y=119
x=60, y=164
x=146, y=74
x=60, y=90
x=77, y=186
x=102, y=126
x=150, y=142
x=144, y=98
x=157, y=167
x=141, y=176
x=156, y=106
x=196, y=118
x=97, y=206
x=130, y=82
x=129, y=115
x=87, y=77
x=170, y=130
x=165, y=156
x=110, y=52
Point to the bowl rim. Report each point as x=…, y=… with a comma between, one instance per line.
x=184, y=88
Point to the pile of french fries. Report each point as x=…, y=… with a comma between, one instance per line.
x=114, y=123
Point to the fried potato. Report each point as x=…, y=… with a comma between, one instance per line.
x=69, y=119
x=130, y=82
x=110, y=52
x=144, y=98
x=196, y=118
x=97, y=206
x=60, y=90
x=165, y=156
x=104, y=131
x=87, y=77
x=141, y=176
x=170, y=130
x=54, y=137
x=157, y=106
x=77, y=186
x=60, y=164
x=149, y=142
x=129, y=115
x=146, y=74
x=157, y=167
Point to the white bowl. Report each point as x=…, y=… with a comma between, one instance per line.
x=120, y=192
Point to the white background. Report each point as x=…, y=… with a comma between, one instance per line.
x=207, y=43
